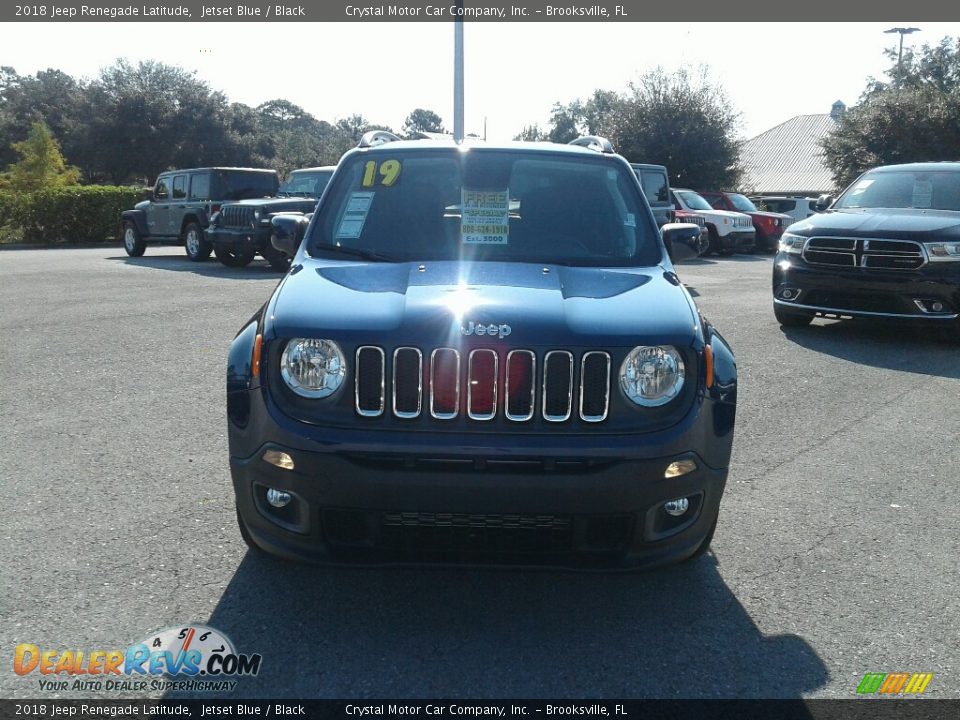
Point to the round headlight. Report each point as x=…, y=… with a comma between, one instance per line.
x=652, y=376
x=312, y=368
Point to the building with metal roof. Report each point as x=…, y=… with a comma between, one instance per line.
x=788, y=159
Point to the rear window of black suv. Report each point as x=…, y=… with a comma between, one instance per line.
x=496, y=205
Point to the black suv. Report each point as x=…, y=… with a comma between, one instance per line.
x=480, y=353
x=889, y=247
x=182, y=202
x=242, y=229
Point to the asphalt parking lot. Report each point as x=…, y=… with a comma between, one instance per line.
x=836, y=552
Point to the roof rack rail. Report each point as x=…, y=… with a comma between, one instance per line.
x=376, y=137
x=593, y=142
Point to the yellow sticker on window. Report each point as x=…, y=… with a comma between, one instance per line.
x=384, y=174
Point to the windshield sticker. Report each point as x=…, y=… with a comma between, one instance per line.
x=922, y=194
x=485, y=217
x=351, y=224
x=386, y=174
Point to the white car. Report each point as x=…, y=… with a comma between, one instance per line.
x=729, y=232
x=796, y=206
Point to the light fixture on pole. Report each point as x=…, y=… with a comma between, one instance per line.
x=903, y=31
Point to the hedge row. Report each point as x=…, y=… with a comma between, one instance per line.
x=80, y=214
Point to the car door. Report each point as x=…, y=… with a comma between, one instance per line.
x=178, y=204
x=199, y=198
x=158, y=211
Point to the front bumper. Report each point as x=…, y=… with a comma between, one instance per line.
x=240, y=239
x=858, y=292
x=583, y=501
x=738, y=241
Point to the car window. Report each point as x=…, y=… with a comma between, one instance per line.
x=655, y=186
x=306, y=183
x=693, y=200
x=162, y=190
x=928, y=190
x=179, y=187
x=200, y=186
x=237, y=185
x=489, y=205
x=742, y=202
x=781, y=205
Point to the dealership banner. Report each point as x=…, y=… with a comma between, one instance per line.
x=472, y=11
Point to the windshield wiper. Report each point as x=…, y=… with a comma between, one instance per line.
x=354, y=252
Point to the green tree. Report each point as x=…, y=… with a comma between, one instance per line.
x=531, y=133
x=681, y=120
x=915, y=122
x=421, y=121
x=41, y=163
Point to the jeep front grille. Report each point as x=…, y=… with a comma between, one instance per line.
x=483, y=384
x=864, y=253
x=237, y=216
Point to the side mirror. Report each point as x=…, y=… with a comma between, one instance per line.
x=682, y=241
x=288, y=231
x=823, y=202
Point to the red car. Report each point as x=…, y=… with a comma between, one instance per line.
x=769, y=225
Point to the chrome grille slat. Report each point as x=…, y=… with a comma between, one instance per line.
x=369, y=377
x=435, y=362
x=553, y=385
x=403, y=354
x=593, y=373
x=476, y=385
x=513, y=400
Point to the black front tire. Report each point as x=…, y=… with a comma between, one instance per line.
x=792, y=318
x=196, y=243
x=234, y=258
x=132, y=241
x=278, y=261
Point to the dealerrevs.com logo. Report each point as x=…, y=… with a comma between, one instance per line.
x=191, y=657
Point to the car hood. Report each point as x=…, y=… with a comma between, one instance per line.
x=905, y=223
x=441, y=303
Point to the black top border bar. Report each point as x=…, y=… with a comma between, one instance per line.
x=474, y=11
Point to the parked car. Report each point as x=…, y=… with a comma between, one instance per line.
x=480, y=353
x=242, y=229
x=889, y=247
x=729, y=232
x=796, y=206
x=181, y=203
x=656, y=186
x=769, y=225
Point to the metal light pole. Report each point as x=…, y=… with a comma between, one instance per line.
x=903, y=31
x=458, y=75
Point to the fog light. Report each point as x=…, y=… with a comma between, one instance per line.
x=676, y=507
x=787, y=294
x=279, y=498
x=937, y=307
x=278, y=458
x=679, y=467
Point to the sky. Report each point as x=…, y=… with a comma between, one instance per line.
x=514, y=72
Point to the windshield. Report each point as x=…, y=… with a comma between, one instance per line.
x=245, y=185
x=928, y=190
x=306, y=183
x=742, y=203
x=693, y=201
x=430, y=204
